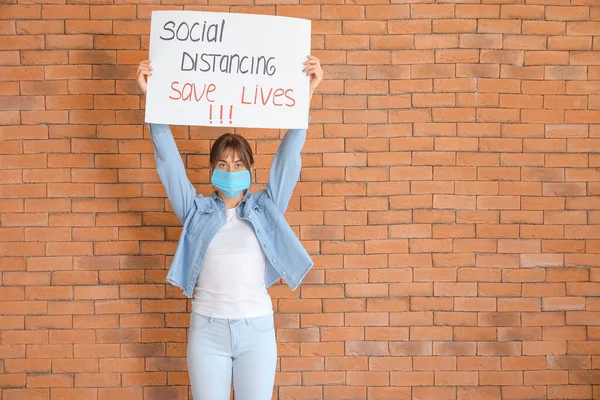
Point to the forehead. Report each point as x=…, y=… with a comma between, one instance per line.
x=228, y=154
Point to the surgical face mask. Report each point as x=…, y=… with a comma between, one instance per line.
x=231, y=184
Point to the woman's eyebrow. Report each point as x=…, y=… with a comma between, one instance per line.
x=236, y=161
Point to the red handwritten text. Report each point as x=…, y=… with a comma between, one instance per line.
x=264, y=96
x=190, y=91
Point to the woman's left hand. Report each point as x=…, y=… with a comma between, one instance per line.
x=312, y=67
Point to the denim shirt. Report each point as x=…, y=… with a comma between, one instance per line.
x=203, y=216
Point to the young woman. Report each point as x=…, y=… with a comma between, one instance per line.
x=233, y=246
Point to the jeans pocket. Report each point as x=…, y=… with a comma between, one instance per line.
x=263, y=324
x=197, y=320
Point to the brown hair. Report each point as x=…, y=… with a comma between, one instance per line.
x=235, y=142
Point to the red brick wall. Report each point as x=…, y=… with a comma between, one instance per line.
x=450, y=195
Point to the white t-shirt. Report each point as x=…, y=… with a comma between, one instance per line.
x=231, y=283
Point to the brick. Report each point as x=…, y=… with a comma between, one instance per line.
x=569, y=43
x=541, y=377
x=454, y=26
x=436, y=41
x=544, y=348
x=522, y=11
x=543, y=28
x=524, y=392
x=456, y=378
x=560, y=73
x=558, y=13
x=384, y=393
x=572, y=392
x=434, y=392
x=381, y=12
x=582, y=28
x=432, y=11
x=487, y=392
x=477, y=11
x=416, y=57
x=498, y=26
x=456, y=55
x=480, y=41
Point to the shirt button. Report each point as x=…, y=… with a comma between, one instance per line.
x=274, y=260
x=249, y=216
x=258, y=231
x=265, y=245
x=285, y=273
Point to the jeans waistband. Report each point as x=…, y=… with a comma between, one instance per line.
x=231, y=321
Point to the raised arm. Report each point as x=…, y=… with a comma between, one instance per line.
x=180, y=191
x=287, y=164
x=285, y=168
x=170, y=167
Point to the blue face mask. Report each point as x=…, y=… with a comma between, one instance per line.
x=231, y=184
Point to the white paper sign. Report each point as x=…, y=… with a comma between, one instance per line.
x=222, y=69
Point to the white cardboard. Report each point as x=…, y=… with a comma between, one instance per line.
x=214, y=91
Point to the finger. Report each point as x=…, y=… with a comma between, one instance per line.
x=145, y=66
x=142, y=72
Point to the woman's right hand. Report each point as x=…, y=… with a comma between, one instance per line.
x=144, y=70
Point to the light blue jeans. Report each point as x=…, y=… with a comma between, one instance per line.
x=220, y=350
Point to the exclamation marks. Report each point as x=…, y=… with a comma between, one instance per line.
x=210, y=114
